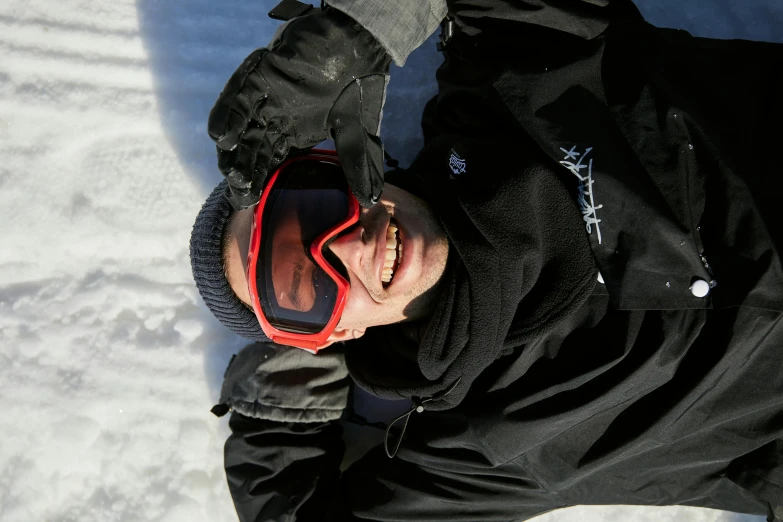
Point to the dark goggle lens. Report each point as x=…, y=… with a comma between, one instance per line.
x=308, y=198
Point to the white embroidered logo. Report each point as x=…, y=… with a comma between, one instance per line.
x=456, y=163
x=573, y=161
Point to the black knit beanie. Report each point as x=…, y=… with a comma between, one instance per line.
x=208, y=271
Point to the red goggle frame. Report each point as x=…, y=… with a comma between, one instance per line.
x=307, y=341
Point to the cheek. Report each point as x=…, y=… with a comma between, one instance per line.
x=362, y=312
x=358, y=307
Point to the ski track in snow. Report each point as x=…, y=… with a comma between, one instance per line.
x=110, y=361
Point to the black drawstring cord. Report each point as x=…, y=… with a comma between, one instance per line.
x=418, y=407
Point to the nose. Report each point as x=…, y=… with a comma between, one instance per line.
x=349, y=249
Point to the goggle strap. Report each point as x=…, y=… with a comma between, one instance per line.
x=310, y=346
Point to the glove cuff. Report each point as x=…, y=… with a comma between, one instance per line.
x=398, y=34
x=282, y=384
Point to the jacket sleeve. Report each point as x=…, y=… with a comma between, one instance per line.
x=290, y=472
x=282, y=471
x=399, y=25
x=586, y=19
x=283, y=458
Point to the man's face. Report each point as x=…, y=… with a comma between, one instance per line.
x=362, y=250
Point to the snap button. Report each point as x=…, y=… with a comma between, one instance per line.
x=700, y=288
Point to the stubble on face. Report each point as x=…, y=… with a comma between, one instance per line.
x=421, y=297
x=416, y=219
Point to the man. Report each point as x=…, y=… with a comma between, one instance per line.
x=600, y=319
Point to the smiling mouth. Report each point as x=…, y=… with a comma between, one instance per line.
x=393, y=253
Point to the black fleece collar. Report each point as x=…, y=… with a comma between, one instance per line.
x=519, y=263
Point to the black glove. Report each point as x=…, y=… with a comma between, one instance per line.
x=322, y=76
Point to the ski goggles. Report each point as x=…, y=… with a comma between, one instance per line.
x=298, y=287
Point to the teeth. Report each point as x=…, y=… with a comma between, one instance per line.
x=391, y=253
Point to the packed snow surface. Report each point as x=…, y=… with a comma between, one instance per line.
x=109, y=361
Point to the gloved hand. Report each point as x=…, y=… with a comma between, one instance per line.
x=322, y=76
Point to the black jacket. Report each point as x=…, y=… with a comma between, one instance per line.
x=559, y=148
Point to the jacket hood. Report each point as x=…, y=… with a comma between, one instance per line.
x=519, y=263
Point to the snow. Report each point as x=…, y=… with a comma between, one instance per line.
x=109, y=361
